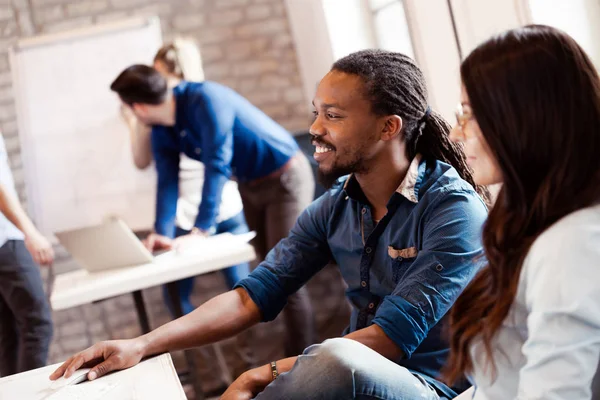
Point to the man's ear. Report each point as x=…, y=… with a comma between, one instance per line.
x=139, y=108
x=392, y=126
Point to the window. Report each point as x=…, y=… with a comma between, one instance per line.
x=391, y=26
x=579, y=18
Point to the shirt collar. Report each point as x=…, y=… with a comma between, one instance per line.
x=407, y=187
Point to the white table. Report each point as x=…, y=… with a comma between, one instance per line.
x=154, y=378
x=80, y=287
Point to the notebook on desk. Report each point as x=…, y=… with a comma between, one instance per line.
x=111, y=244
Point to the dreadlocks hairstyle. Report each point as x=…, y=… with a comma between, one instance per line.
x=536, y=97
x=396, y=86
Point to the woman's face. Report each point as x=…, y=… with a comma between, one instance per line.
x=479, y=156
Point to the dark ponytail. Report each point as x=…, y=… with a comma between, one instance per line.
x=396, y=86
x=434, y=143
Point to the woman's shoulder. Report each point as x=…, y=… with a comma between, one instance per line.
x=563, y=262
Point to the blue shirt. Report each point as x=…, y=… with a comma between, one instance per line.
x=220, y=128
x=403, y=273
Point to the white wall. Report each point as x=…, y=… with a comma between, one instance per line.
x=478, y=20
x=391, y=29
x=579, y=18
x=350, y=26
x=436, y=52
x=312, y=40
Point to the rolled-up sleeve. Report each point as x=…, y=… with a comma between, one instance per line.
x=291, y=263
x=448, y=258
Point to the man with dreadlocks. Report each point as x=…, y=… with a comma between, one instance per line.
x=402, y=221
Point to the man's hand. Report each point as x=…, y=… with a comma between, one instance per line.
x=156, y=242
x=249, y=384
x=40, y=248
x=104, y=357
x=182, y=243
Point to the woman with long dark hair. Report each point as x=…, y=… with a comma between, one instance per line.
x=528, y=326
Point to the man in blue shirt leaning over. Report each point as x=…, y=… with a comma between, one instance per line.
x=213, y=124
x=404, y=228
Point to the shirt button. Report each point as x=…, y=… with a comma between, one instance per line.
x=368, y=250
x=182, y=133
x=439, y=267
x=399, y=258
x=198, y=150
x=364, y=210
x=363, y=284
x=371, y=305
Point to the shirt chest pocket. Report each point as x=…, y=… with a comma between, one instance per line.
x=401, y=259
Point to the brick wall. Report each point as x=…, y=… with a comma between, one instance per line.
x=246, y=44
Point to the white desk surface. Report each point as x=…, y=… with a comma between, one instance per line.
x=82, y=287
x=154, y=378
x=466, y=395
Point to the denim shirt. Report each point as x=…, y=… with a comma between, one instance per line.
x=403, y=273
x=230, y=136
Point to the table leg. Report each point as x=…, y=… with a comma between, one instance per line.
x=173, y=290
x=140, y=307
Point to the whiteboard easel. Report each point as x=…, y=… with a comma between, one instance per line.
x=75, y=147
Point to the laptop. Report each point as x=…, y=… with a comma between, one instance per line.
x=109, y=245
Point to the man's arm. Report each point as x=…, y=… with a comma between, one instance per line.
x=444, y=266
x=167, y=190
x=217, y=319
x=259, y=297
x=140, y=137
x=254, y=381
x=451, y=238
x=215, y=119
x=36, y=243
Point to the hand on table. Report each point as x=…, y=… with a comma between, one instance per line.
x=182, y=243
x=156, y=242
x=103, y=358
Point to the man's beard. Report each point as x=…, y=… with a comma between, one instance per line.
x=327, y=179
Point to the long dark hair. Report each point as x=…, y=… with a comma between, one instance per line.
x=536, y=97
x=396, y=86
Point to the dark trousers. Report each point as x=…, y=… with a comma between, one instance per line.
x=25, y=317
x=272, y=207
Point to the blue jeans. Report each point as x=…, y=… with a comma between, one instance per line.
x=344, y=369
x=235, y=225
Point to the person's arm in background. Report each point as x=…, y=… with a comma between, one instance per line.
x=217, y=118
x=260, y=297
x=140, y=138
x=167, y=192
x=39, y=247
x=451, y=239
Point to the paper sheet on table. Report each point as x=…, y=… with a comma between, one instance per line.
x=154, y=378
x=195, y=246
